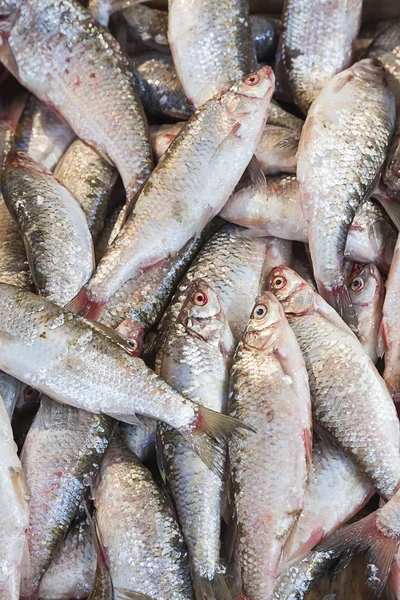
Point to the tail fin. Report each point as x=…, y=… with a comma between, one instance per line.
x=364, y=536
x=208, y=436
x=215, y=589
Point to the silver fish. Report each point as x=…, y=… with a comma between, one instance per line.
x=54, y=227
x=298, y=579
x=279, y=116
x=90, y=179
x=162, y=137
x=386, y=48
x=181, y=197
x=269, y=390
x=265, y=31
x=196, y=359
x=84, y=76
x=144, y=547
x=277, y=150
x=42, y=134
x=341, y=153
x=141, y=439
x=211, y=45
x=341, y=377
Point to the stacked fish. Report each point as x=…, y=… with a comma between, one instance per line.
x=200, y=318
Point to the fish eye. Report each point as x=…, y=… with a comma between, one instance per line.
x=200, y=299
x=30, y=393
x=260, y=311
x=357, y=284
x=131, y=346
x=252, y=79
x=278, y=282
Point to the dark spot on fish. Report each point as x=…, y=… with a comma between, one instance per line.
x=43, y=334
x=93, y=75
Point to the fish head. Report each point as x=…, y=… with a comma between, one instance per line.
x=201, y=312
x=18, y=159
x=263, y=327
x=369, y=70
x=295, y=294
x=366, y=285
x=251, y=93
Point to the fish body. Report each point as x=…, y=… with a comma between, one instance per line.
x=14, y=512
x=386, y=48
x=265, y=32
x=160, y=89
x=162, y=137
x=53, y=226
x=316, y=43
x=337, y=142
x=59, y=52
x=391, y=175
x=196, y=360
x=298, y=579
x=341, y=377
x=141, y=439
x=182, y=195
x=277, y=150
x=367, y=293
x=42, y=134
x=90, y=179
x=279, y=116
x=143, y=544
x=61, y=451
x=269, y=390
x=147, y=26
x=211, y=45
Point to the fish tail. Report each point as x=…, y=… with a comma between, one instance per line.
x=85, y=306
x=211, y=589
x=339, y=297
x=364, y=536
x=208, y=434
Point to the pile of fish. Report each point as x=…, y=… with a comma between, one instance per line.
x=199, y=299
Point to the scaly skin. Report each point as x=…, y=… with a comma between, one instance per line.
x=386, y=48
x=390, y=335
x=196, y=359
x=269, y=390
x=90, y=179
x=211, y=45
x=277, y=149
x=59, y=52
x=350, y=399
x=341, y=152
x=316, y=43
x=60, y=250
x=143, y=543
x=181, y=196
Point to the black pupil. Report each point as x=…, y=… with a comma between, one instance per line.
x=357, y=283
x=131, y=344
x=260, y=311
x=200, y=298
x=278, y=282
x=252, y=79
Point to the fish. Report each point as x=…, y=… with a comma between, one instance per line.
x=196, y=360
x=269, y=387
x=367, y=292
x=211, y=45
x=14, y=513
x=233, y=265
x=72, y=570
x=385, y=48
x=329, y=193
x=278, y=252
x=42, y=134
x=316, y=43
x=159, y=87
x=281, y=117
x=277, y=150
x=391, y=174
x=337, y=490
x=53, y=225
x=10, y=389
x=141, y=439
x=389, y=339
x=88, y=366
x=83, y=76
x=181, y=196
x=162, y=137
x=90, y=179
x=265, y=31
x=112, y=225
x=63, y=448
x=341, y=376
x=143, y=544
x=147, y=26
x=299, y=578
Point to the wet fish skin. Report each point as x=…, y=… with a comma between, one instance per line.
x=162, y=137
x=269, y=387
x=143, y=543
x=337, y=141
x=367, y=293
x=42, y=134
x=64, y=446
x=84, y=76
x=159, y=87
x=54, y=227
x=90, y=179
x=386, y=49
x=391, y=175
x=278, y=252
x=211, y=45
x=10, y=388
x=298, y=579
x=368, y=432
x=279, y=116
x=140, y=439
x=148, y=26
x=277, y=150
x=265, y=32
x=14, y=513
x=316, y=43
x=71, y=572
x=227, y=128
x=196, y=359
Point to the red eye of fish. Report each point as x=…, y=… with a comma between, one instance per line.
x=200, y=299
x=357, y=284
x=252, y=79
x=260, y=311
x=278, y=282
